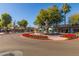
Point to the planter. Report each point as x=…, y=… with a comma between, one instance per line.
x=40, y=37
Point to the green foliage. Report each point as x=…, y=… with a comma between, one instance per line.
x=23, y=23
x=48, y=17
x=1, y=24
x=66, y=8
x=42, y=16
x=6, y=19
x=55, y=15
x=51, y=15
x=74, y=19
x=10, y=25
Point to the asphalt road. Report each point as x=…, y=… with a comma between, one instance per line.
x=31, y=47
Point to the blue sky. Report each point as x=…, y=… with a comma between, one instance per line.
x=29, y=11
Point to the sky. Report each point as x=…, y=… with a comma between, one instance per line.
x=29, y=11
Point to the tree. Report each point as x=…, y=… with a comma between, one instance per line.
x=10, y=25
x=1, y=25
x=55, y=16
x=23, y=23
x=74, y=19
x=43, y=19
x=65, y=10
x=48, y=17
x=38, y=21
x=6, y=19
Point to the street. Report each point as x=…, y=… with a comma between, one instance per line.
x=31, y=47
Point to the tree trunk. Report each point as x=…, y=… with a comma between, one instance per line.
x=56, y=27
x=46, y=27
x=6, y=29
x=65, y=22
x=24, y=28
x=13, y=29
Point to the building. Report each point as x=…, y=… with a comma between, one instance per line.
x=68, y=28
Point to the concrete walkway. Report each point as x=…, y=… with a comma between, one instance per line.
x=53, y=37
x=56, y=37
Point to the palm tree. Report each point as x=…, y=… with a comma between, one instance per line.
x=65, y=10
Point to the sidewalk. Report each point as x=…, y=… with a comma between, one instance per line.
x=56, y=38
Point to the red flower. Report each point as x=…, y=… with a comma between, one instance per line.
x=70, y=35
x=27, y=35
x=35, y=36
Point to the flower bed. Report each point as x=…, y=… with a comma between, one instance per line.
x=41, y=37
x=26, y=35
x=70, y=36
